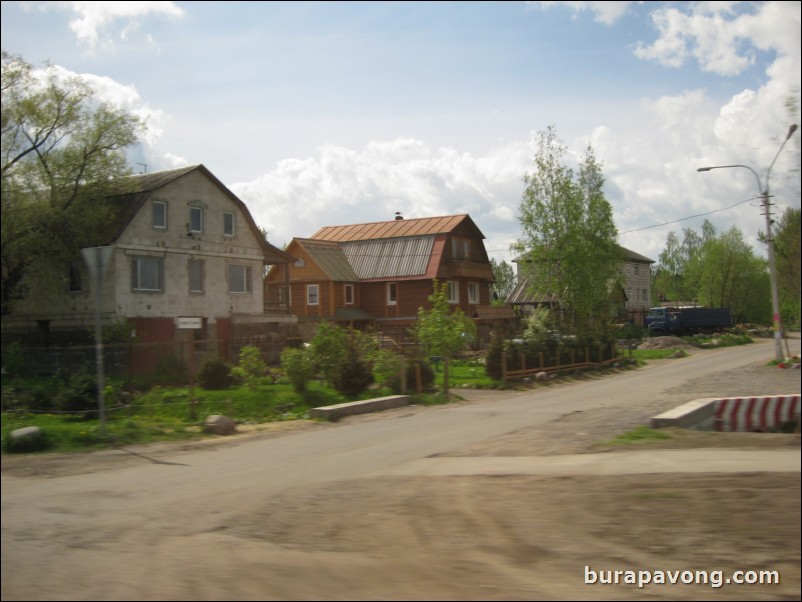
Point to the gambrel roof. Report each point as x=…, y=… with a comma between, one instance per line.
x=398, y=228
x=400, y=248
x=137, y=189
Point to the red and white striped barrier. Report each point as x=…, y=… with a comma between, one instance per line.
x=758, y=414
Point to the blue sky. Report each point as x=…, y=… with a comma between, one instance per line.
x=327, y=113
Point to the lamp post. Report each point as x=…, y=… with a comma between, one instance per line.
x=764, y=193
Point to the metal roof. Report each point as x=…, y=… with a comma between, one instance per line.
x=396, y=228
x=389, y=257
x=330, y=258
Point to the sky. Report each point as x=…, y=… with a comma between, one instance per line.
x=329, y=113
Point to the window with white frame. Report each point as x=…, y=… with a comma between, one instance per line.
x=159, y=219
x=453, y=291
x=239, y=278
x=195, y=275
x=147, y=274
x=312, y=294
x=392, y=293
x=196, y=219
x=349, y=294
x=473, y=293
x=228, y=223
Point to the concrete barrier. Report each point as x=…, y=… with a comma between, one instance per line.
x=755, y=413
x=365, y=406
x=697, y=414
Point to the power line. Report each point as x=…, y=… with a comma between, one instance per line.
x=689, y=217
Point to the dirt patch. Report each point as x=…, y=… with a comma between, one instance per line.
x=665, y=343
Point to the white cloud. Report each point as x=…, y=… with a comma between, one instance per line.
x=339, y=186
x=713, y=35
x=604, y=12
x=95, y=21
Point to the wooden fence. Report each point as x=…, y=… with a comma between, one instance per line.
x=570, y=356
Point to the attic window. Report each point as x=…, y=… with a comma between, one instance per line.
x=196, y=219
x=228, y=224
x=159, y=214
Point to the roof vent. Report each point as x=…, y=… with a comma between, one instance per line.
x=398, y=216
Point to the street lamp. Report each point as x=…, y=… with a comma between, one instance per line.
x=764, y=192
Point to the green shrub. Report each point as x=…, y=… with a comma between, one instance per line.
x=426, y=374
x=352, y=375
x=78, y=395
x=251, y=366
x=298, y=366
x=494, y=355
x=14, y=360
x=25, y=445
x=215, y=375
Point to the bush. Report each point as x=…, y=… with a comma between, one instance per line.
x=298, y=366
x=251, y=365
x=78, y=395
x=215, y=375
x=24, y=445
x=426, y=374
x=352, y=375
x=494, y=355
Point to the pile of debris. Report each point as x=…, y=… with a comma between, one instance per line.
x=665, y=343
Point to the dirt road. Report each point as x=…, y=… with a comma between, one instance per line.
x=399, y=537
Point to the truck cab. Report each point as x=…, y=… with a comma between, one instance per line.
x=656, y=319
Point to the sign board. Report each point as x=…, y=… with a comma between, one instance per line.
x=189, y=323
x=97, y=259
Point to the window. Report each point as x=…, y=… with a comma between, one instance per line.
x=392, y=293
x=312, y=294
x=239, y=278
x=283, y=296
x=473, y=292
x=637, y=269
x=460, y=248
x=195, y=276
x=159, y=214
x=228, y=224
x=349, y=294
x=643, y=295
x=147, y=274
x=453, y=291
x=196, y=219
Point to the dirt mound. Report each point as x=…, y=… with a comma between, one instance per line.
x=665, y=343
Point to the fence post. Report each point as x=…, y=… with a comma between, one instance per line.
x=540, y=355
x=573, y=355
x=504, y=367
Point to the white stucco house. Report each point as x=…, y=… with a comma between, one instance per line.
x=186, y=259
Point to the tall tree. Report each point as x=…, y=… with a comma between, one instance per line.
x=568, y=248
x=504, y=277
x=62, y=150
x=787, y=256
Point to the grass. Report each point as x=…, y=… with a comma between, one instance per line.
x=638, y=435
x=469, y=374
x=160, y=414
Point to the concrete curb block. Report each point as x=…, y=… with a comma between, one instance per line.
x=697, y=414
x=365, y=406
x=728, y=414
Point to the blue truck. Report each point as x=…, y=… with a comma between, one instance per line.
x=687, y=320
